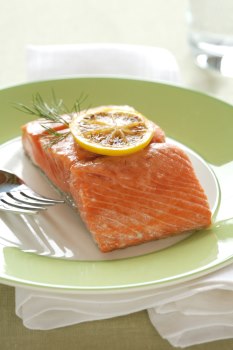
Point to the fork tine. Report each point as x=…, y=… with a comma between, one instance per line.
x=38, y=197
x=13, y=210
x=21, y=206
x=19, y=198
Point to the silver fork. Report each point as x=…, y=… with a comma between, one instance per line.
x=16, y=197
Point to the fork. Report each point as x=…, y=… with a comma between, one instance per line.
x=16, y=197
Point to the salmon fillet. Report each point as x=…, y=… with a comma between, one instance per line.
x=127, y=200
x=149, y=195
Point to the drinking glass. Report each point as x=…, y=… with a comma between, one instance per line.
x=210, y=30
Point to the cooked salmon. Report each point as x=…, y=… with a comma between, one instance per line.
x=124, y=200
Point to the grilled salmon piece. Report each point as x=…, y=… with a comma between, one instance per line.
x=148, y=195
x=127, y=200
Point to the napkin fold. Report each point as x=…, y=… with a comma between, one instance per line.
x=185, y=314
x=198, y=311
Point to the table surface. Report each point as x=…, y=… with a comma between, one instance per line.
x=150, y=22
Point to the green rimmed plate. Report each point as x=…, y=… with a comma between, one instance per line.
x=198, y=121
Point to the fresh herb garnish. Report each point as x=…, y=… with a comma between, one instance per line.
x=54, y=112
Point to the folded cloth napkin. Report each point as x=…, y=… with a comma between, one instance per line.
x=202, y=308
x=46, y=62
x=189, y=313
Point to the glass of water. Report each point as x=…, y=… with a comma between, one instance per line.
x=211, y=34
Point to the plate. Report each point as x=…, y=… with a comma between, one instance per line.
x=201, y=123
x=43, y=235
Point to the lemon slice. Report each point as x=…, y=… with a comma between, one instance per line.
x=112, y=130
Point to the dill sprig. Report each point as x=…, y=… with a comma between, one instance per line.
x=40, y=108
x=53, y=136
x=55, y=112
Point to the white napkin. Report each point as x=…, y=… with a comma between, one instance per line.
x=47, y=62
x=189, y=313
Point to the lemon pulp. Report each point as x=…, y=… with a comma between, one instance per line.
x=112, y=130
